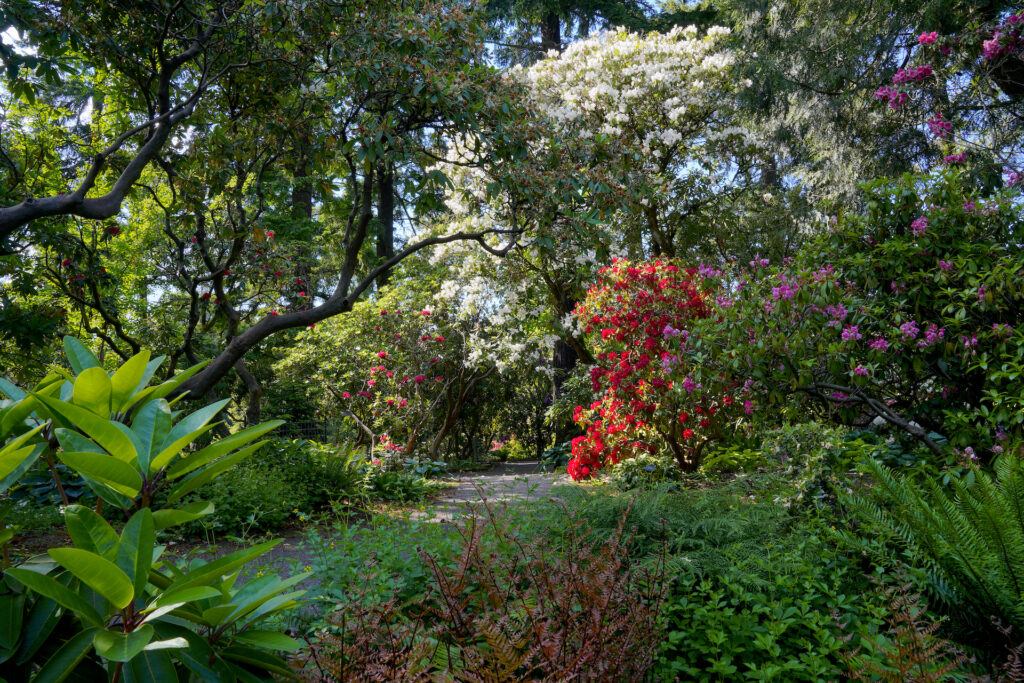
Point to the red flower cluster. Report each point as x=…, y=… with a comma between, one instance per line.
x=637, y=317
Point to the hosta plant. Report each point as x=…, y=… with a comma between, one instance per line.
x=108, y=607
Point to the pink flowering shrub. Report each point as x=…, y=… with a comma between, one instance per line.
x=988, y=57
x=398, y=370
x=652, y=392
x=912, y=312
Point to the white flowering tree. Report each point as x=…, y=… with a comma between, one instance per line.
x=662, y=109
x=638, y=153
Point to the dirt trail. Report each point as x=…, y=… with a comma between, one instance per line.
x=502, y=483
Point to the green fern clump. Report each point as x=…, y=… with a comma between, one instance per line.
x=968, y=539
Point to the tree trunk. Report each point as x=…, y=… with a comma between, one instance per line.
x=563, y=362
x=551, y=32
x=386, y=218
x=254, y=391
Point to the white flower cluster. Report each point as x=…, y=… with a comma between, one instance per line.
x=658, y=88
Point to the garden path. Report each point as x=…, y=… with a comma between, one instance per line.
x=505, y=482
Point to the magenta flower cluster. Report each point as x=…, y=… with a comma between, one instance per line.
x=914, y=75
x=919, y=226
x=909, y=330
x=939, y=127
x=933, y=335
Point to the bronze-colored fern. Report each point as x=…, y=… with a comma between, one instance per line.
x=911, y=652
x=532, y=613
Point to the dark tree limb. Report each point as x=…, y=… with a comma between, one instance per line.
x=340, y=302
x=159, y=128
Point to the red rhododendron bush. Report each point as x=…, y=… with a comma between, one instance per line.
x=653, y=394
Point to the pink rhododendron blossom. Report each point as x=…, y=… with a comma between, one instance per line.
x=939, y=127
x=879, y=345
x=927, y=38
x=860, y=370
x=919, y=225
x=955, y=158
x=913, y=75
x=850, y=333
x=895, y=97
x=933, y=335
x=945, y=265
x=910, y=330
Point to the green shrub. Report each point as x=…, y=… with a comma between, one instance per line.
x=398, y=485
x=293, y=476
x=426, y=468
x=555, y=458
x=734, y=458
x=783, y=626
x=643, y=471
x=246, y=499
x=516, y=450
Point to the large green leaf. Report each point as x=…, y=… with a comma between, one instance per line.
x=151, y=426
x=271, y=640
x=63, y=662
x=220, y=447
x=257, y=592
x=89, y=531
x=168, y=603
x=194, y=421
x=100, y=574
x=186, y=431
x=105, y=469
x=118, y=646
x=104, y=432
x=39, y=624
x=79, y=357
x=59, y=593
x=125, y=380
x=11, y=390
x=150, y=667
x=135, y=550
x=18, y=442
x=198, y=657
x=269, y=607
x=204, y=476
x=164, y=389
x=92, y=391
x=12, y=612
x=70, y=440
x=14, y=464
x=168, y=517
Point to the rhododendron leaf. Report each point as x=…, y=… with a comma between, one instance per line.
x=79, y=357
x=126, y=379
x=92, y=390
